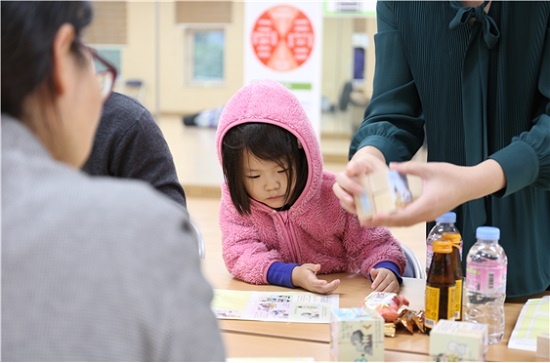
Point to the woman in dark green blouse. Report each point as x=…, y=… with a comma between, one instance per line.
x=475, y=81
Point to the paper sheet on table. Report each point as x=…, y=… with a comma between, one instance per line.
x=533, y=320
x=296, y=307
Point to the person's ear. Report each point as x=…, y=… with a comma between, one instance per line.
x=62, y=58
x=299, y=145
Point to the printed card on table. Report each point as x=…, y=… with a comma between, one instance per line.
x=533, y=320
x=300, y=307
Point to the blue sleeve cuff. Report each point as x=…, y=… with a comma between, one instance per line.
x=280, y=273
x=392, y=267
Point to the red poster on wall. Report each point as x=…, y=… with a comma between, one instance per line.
x=282, y=38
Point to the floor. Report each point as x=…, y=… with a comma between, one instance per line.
x=200, y=173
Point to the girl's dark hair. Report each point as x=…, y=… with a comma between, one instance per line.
x=266, y=142
x=28, y=31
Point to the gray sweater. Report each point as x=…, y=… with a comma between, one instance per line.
x=96, y=269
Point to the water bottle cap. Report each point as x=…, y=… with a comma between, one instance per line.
x=449, y=217
x=488, y=233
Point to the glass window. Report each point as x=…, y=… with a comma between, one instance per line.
x=206, y=55
x=111, y=54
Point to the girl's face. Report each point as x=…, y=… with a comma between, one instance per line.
x=266, y=181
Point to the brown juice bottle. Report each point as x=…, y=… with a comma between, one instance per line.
x=440, y=286
x=456, y=240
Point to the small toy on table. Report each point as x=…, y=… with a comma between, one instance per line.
x=393, y=309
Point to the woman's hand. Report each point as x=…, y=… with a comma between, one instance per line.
x=347, y=186
x=444, y=187
x=305, y=276
x=384, y=280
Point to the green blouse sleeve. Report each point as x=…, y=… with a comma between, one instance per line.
x=393, y=121
x=526, y=160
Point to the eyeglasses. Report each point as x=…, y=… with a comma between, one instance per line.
x=105, y=72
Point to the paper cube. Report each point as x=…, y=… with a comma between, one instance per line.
x=356, y=334
x=383, y=192
x=457, y=341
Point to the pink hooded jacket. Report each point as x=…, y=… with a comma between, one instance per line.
x=316, y=229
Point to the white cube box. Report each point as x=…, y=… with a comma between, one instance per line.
x=455, y=341
x=356, y=335
x=383, y=192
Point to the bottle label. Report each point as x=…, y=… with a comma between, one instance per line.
x=482, y=277
x=458, y=299
x=431, y=314
x=451, y=297
x=433, y=304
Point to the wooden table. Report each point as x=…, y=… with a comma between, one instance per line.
x=275, y=339
x=259, y=346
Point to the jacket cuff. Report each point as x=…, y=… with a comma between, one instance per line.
x=386, y=147
x=520, y=165
x=280, y=273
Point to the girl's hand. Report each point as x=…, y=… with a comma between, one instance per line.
x=384, y=280
x=305, y=276
x=346, y=187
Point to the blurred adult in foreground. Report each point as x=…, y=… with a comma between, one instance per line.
x=93, y=269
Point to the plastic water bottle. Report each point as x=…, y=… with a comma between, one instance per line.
x=443, y=224
x=485, y=287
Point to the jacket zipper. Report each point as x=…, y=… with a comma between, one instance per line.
x=289, y=233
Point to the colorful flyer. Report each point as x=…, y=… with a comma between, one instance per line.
x=298, y=307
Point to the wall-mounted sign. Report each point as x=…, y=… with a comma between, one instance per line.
x=282, y=43
x=282, y=38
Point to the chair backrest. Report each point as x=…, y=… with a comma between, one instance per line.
x=134, y=88
x=413, y=268
x=200, y=241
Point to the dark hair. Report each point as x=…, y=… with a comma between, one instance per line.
x=28, y=31
x=266, y=142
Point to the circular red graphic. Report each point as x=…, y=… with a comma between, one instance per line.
x=282, y=38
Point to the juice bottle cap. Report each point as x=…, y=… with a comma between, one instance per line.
x=455, y=238
x=443, y=247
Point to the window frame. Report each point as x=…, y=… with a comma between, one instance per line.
x=117, y=47
x=188, y=65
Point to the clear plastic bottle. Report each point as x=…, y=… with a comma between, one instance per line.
x=445, y=223
x=485, y=287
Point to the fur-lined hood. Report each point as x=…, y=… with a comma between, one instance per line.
x=270, y=102
x=315, y=229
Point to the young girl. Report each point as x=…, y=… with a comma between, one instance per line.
x=281, y=222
